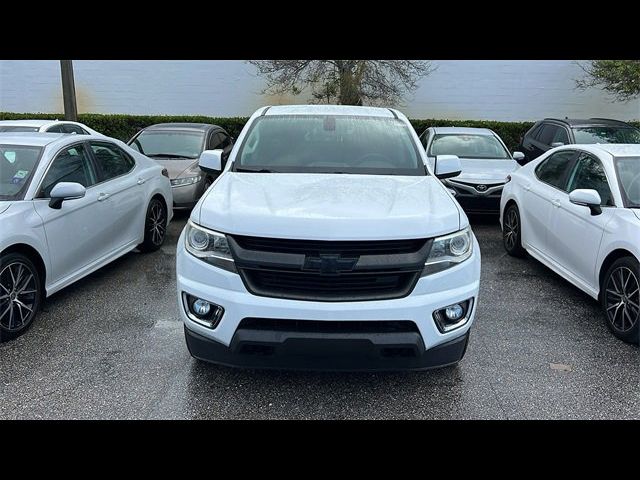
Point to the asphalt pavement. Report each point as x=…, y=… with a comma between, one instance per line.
x=112, y=347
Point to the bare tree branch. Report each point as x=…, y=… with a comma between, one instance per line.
x=350, y=82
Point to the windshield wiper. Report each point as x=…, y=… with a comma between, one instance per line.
x=255, y=170
x=169, y=155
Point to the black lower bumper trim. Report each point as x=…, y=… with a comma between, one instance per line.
x=322, y=351
x=478, y=204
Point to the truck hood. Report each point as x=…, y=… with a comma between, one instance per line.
x=4, y=206
x=329, y=206
x=176, y=167
x=486, y=171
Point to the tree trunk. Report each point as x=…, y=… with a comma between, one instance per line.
x=349, y=86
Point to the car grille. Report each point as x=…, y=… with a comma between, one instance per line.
x=457, y=186
x=311, y=247
x=329, y=270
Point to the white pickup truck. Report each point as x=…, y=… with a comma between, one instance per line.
x=328, y=242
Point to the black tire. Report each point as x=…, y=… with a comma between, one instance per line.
x=511, y=231
x=21, y=294
x=155, y=226
x=621, y=299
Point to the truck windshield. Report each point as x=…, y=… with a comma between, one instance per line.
x=329, y=144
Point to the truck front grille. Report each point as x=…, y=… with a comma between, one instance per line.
x=329, y=270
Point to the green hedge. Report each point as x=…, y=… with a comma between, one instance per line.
x=125, y=126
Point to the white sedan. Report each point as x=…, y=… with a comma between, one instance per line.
x=576, y=210
x=68, y=206
x=46, y=126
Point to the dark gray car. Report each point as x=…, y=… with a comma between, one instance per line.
x=177, y=147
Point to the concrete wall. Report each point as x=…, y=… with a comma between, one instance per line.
x=470, y=89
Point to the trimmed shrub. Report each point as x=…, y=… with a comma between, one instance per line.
x=124, y=127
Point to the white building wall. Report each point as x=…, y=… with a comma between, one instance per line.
x=506, y=90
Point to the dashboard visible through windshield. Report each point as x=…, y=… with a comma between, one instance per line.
x=330, y=144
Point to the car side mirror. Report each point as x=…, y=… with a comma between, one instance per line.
x=587, y=197
x=557, y=144
x=211, y=161
x=64, y=191
x=519, y=157
x=447, y=166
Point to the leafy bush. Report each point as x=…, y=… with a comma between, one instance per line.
x=124, y=127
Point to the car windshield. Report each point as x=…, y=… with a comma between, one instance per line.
x=588, y=135
x=330, y=144
x=629, y=174
x=468, y=146
x=17, y=128
x=17, y=164
x=169, y=144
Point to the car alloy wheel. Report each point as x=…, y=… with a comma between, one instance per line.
x=622, y=299
x=511, y=229
x=18, y=296
x=157, y=224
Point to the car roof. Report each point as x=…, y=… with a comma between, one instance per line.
x=463, y=130
x=27, y=123
x=584, y=122
x=617, y=149
x=35, y=139
x=182, y=126
x=329, y=110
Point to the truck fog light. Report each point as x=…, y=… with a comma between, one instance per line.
x=202, y=311
x=454, y=312
x=453, y=316
x=202, y=308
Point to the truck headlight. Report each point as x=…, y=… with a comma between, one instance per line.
x=448, y=251
x=181, y=182
x=209, y=246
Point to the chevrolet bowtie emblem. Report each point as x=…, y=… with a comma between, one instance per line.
x=329, y=264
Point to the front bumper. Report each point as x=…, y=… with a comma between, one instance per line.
x=479, y=204
x=364, y=352
x=293, y=351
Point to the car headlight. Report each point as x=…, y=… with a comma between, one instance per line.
x=448, y=251
x=209, y=246
x=181, y=182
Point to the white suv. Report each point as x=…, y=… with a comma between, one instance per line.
x=328, y=243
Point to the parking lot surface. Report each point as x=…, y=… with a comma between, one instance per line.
x=112, y=346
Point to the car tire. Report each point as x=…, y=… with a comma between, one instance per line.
x=21, y=294
x=155, y=226
x=621, y=299
x=511, y=231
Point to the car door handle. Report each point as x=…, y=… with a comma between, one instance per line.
x=527, y=187
x=556, y=203
x=103, y=196
x=141, y=181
